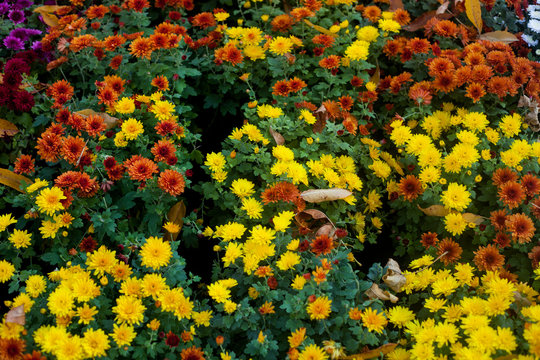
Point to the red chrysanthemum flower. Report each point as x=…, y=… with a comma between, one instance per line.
x=115, y=173
x=172, y=340
x=410, y=187
x=171, y=182
x=324, y=40
x=140, y=169
x=488, y=258
x=321, y=245
x=356, y=81
x=512, y=194
x=449, y=250
x=68, y=180
x=87, y=186
x=429, y=239
x=503, y=175
x=502, y=239
x=24, y=165
x=107, y=96
x=88, y=244
x=419, y=46
x=521, y=226
x=531, y=184
x=116, y=61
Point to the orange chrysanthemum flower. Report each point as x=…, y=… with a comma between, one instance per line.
x=60, y=88
x=161, y=83
x=481, y=73
x=402, y=17
x=446, y=28
x=325, y=40
x=171, y=182
x=321, y=245
x=96, y=11
x=95, y=125
x=498, y=85
x=281, y=88
x=498, y=219
x=521, y=226
x=512, y=194
x=419, y=46
x=282, y=23
x=488, y=258
x=142, y=48
x=163, y=150
x=72, y=149
x=115, y=82
x=534, y=255
x=296, y=84
x=451, y=250
x=138, y=5
x=282, y=191
x=330, y=62
x=48, y=146
x=475, y=91
x=11, y=349
x=113, y=42
x=230, y=54
x=203, y=20
x=107, y=96
x=81, y=42
x=140, y=168
x=531, y=184
x=372, y=13
x=410, y=187
x=440, y=65
x=444, y=82
x=503, y=175
x=24, y=165
x=159, y=41
x=166, y=127
x=346, y=102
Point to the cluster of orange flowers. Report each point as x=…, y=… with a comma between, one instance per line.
x=480, y=68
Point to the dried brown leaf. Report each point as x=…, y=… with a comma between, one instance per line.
x=420, y=21
x=531, y=118
x=279, y=139
x=322, y=117
x=499, y=36
x=473, y=218
x=375, y=292
x=394, y=278
x=370, y=354
x=442, y=8
x=434, y=210
x=396, y=4
x=109, y=120
x=320, y=195
x=326, y=229
x=16, y=315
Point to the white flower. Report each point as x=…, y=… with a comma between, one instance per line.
x=534, y=25
x=529, y=40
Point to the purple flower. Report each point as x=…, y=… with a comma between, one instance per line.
x=23, y=4
x=36, y=45
x=13, y=43
x=4, y=7
x=24, y=33
x=17, y=16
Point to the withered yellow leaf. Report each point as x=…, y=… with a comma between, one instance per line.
x=474, y=13
x=499, y=36
x=16, y=315
x=176, y=215
x=320, y=28
x=434, y=210
x=473, y=218
x=7, y=128
x=9, y=178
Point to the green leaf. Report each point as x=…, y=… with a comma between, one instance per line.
x=126, y=202
x=52, y=258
